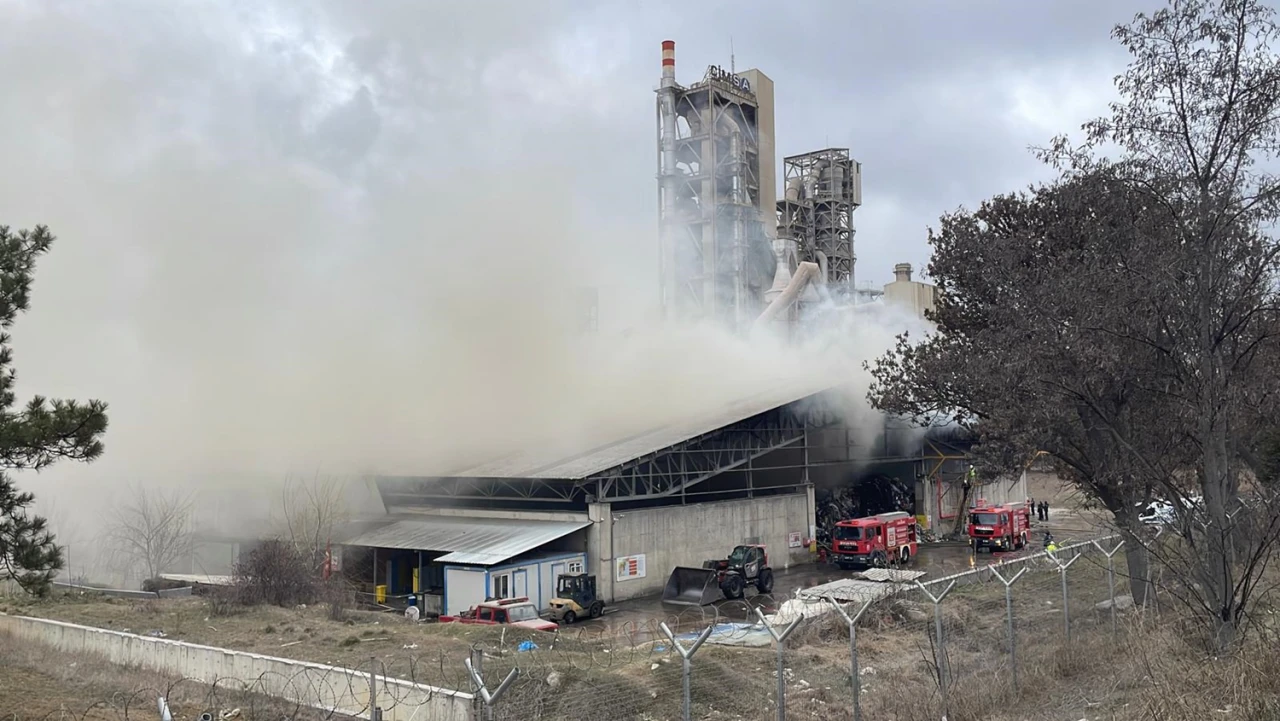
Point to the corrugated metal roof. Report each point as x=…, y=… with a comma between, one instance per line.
x=465, y=539
x=602, y=458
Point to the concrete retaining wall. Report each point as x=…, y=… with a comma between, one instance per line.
x=311, y=684
x=183, y=592
x=688, y=535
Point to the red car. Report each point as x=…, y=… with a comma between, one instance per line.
x=511, y=611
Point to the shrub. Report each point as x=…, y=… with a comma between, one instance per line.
x=275, y=572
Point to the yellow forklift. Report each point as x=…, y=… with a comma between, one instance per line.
x=575, y=598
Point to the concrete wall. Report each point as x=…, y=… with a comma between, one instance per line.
x=941, y=516
x=688, y=535
x=762, y=86
x=1006, y=490
x=183, y=592
x=311, y=684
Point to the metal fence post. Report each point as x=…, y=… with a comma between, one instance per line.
x=780, y=640
x=490, y=698
x=1066, y=607
x=941, y=651
x=477, y=662
x=375, y=713
x=1111, y=579
x=853, y=651
x=1008, y=614
x=686, y=659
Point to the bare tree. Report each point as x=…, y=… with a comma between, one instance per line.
x=151, y=530
x=1017, y=356
x=311, y=510
x=69, y=535
x=1199, y=128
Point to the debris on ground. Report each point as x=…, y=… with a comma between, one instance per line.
x=1123, y=603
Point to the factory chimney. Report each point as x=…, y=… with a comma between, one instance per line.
x=668, y=63
x=667, y=173
x=902, y=273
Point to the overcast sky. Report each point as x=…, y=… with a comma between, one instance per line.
x=241, y=188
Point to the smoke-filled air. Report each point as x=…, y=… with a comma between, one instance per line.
x=325, y=248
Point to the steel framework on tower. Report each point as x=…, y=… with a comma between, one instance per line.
x=822, y=190
x=715, y=254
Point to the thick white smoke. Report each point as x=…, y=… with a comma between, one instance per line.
x=283, y=248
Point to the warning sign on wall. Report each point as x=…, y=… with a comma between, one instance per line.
x=794, y=540
x=629, y=567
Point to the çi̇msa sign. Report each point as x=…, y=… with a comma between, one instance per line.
x=715, y=72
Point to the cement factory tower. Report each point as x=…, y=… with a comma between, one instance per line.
x=823, y=188
x=717, y=190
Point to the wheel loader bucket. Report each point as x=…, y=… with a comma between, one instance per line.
x=692, y=586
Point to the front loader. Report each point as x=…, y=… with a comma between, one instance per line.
x=727, y=577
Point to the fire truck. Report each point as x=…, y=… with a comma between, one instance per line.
x=875, y=540
x=999, y=528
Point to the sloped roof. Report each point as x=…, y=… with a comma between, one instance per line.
x=467, y=540
x=604, y=457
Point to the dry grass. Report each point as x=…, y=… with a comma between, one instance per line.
x=1151, y=670
x=36, y=684
x=304, y=633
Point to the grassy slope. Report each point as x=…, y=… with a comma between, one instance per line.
x=1150, y=671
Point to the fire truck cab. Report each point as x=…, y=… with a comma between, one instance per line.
x=875, y=540
x=999, y=528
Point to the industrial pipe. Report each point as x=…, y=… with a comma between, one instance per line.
x=805, y=273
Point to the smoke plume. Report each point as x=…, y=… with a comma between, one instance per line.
x=293, y=242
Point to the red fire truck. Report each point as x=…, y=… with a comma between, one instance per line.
x=1000, y=528
x=874, y=540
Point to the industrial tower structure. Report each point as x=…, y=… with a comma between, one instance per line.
x=823, y=188
x=717, y=186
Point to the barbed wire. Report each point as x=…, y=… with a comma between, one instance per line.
x=631, y=670
x=225, y=699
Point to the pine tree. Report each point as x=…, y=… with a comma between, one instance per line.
x=36, y=435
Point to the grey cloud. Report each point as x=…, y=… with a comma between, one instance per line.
x=325, y=224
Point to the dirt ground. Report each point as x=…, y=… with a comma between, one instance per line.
x=1150, y=669
x=408, y=650
x=1067, y=517
x=307, y=633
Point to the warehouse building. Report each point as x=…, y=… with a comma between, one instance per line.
x=627, y=511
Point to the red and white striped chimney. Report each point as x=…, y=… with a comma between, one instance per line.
x=668, y=63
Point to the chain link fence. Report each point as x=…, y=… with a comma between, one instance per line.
x=711, y=664
x=971, y=646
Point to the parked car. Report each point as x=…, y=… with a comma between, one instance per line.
x=513, y=611
x=1161, y=511
x=1156, y=513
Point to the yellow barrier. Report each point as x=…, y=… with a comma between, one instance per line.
x=380, y=593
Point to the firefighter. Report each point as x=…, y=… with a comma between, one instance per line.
x=1048, y=542
x=1045, y=504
